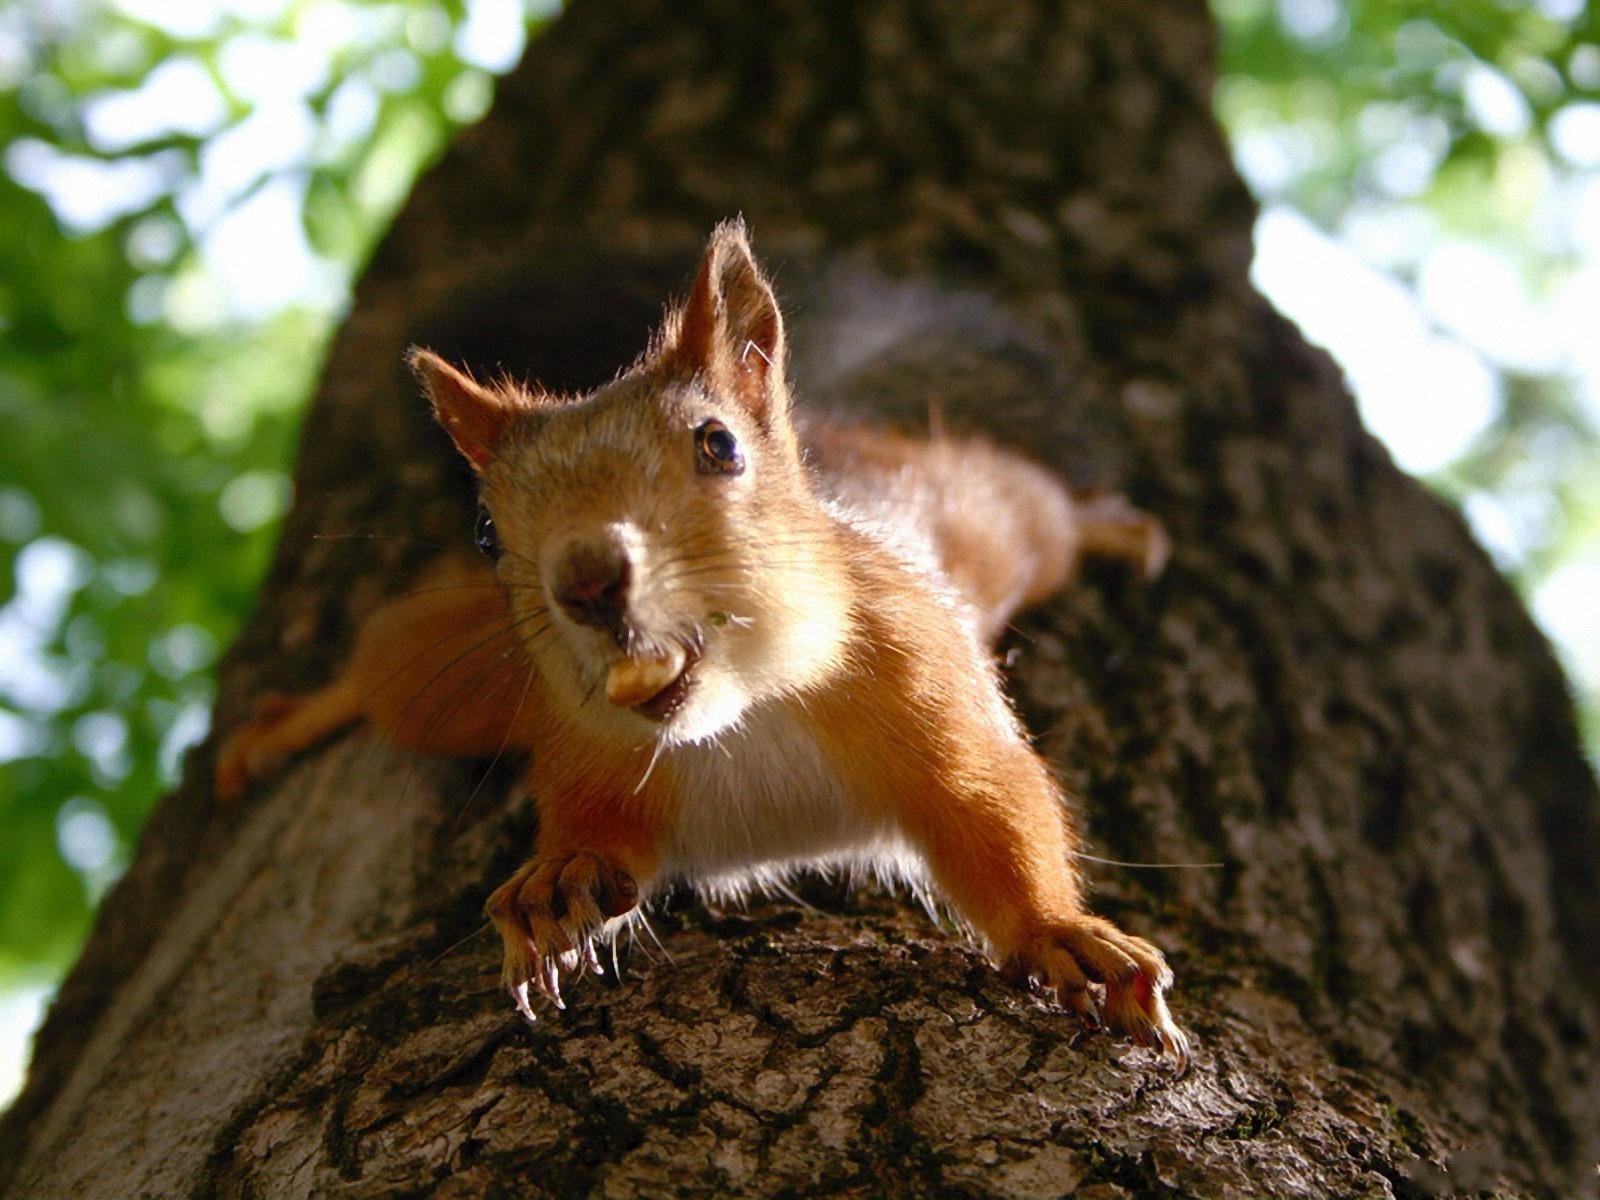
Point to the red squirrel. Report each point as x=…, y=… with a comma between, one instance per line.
x=736, y=645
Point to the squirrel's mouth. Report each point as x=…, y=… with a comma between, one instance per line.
x=653, y=685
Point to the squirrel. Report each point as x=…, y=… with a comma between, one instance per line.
x=738, y=641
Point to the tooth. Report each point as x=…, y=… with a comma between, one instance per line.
x=632, y=681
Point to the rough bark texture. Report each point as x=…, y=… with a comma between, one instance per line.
x=1392, y=978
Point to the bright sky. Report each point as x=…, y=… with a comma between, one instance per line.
x=21, y=1010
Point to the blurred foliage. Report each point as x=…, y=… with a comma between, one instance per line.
x=1409, y=130
x=149, y=402
x=1383, y=100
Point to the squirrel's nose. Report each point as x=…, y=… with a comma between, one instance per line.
x=592, y=585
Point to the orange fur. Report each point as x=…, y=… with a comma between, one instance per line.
x=839, y=701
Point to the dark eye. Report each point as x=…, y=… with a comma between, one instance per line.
x=483, y=533
x=717, y=450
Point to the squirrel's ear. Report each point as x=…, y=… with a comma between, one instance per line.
x=730, y=327
x=474, y=416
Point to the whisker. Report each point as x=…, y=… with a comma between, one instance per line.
x=589, y=695
x=447, y=705
x=379, y=537
x=463, y=547
x=486, y=927
x=477, y=645
x=1149, y=866
x=655, y=757
x=731, y=544
x=737, y=566
x=461, y=811
x=650, y=929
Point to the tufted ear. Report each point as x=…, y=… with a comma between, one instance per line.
x=730, y=329
x=474, y=416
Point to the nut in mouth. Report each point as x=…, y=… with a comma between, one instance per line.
x=653, y=685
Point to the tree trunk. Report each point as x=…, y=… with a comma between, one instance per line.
x=1021, y=215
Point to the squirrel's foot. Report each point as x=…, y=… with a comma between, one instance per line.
x=1105, y=976
x=252, y=749
x=551, y=914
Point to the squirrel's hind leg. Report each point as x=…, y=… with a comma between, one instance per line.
x=438, y=670
x=279, y=726
x=1006, y=530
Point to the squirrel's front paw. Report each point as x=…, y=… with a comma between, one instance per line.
x=1101, y=973
x=550, y=915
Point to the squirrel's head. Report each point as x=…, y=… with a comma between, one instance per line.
x=667, y=563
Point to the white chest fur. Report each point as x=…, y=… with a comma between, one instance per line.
x=764, y=799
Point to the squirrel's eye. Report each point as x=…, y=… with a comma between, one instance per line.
x=717, y=450
x=483, y=533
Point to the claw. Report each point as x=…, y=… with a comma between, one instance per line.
x=519, y=997
x=551, y=914
x=1140, y=1011
x=554, y=969
x=1081, y=1003
x=1108, y=979
x=1175, y=1045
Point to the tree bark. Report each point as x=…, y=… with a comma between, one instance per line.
x=1022, y=215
